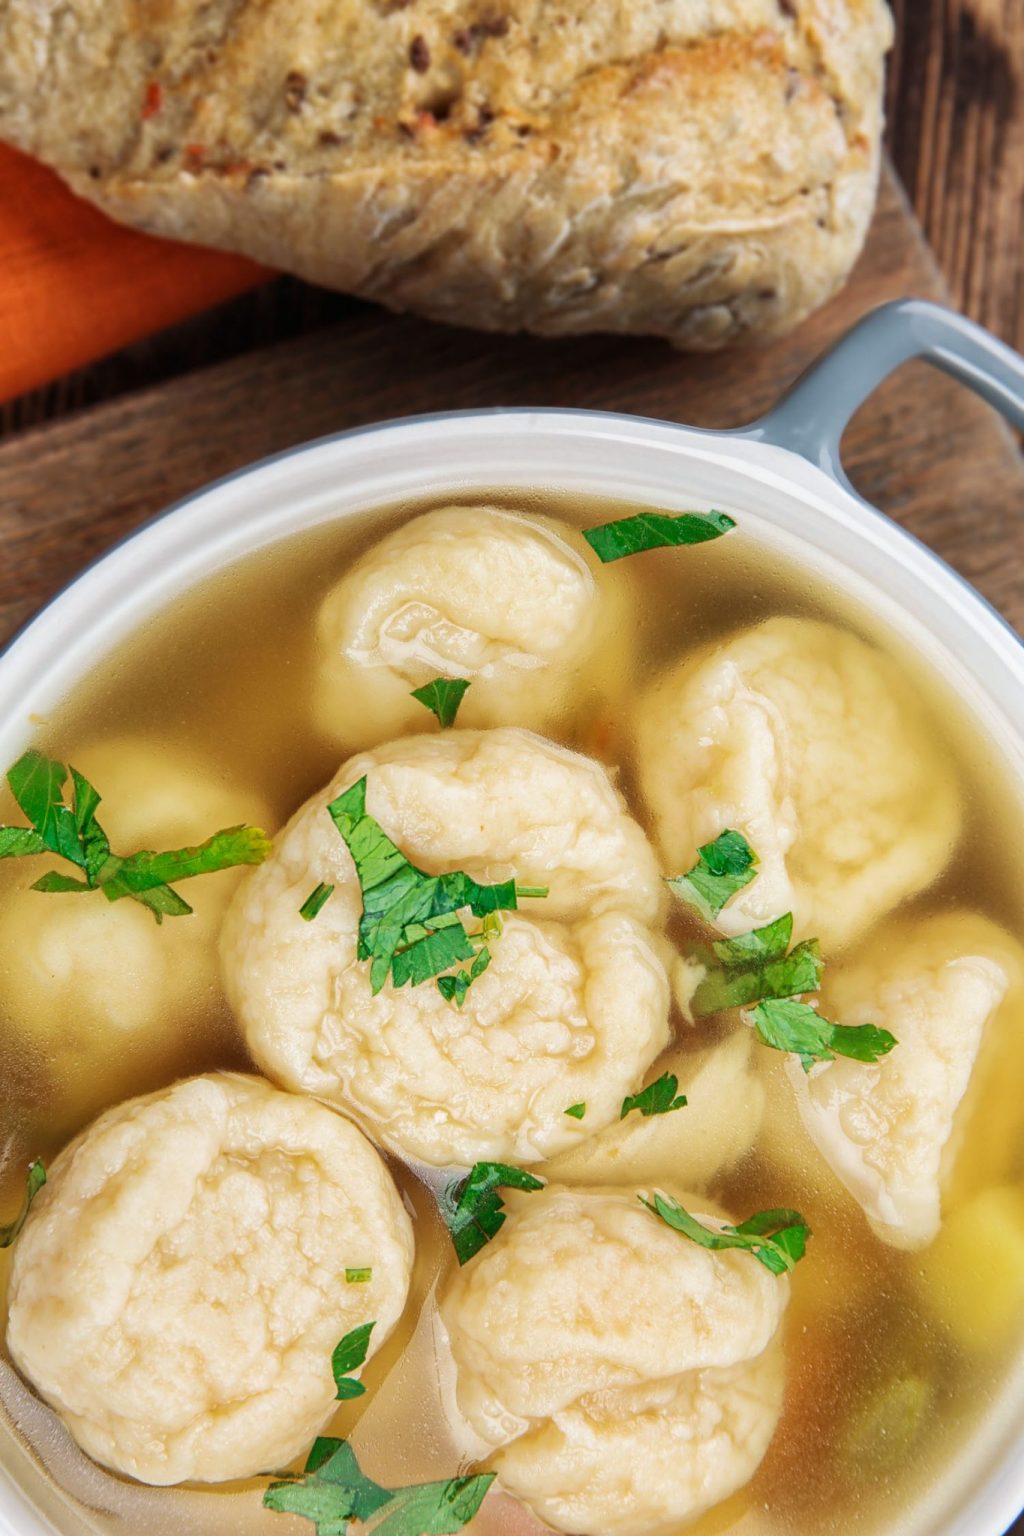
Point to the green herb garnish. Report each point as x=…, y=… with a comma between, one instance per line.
x=576, y=1111
x=315, y=902
x=348, y=1356
x=332, y=1490
x=410, y=927
x=473, y=1208
x=778, y=1239
x=658, y=1098
x=34, y=1181
x=655, y=530
x=442, y=697
x=722, y=868
x=756, y=965
x=358, y=1276
x=787, y=1025
x=72, y=832
x=454, y=987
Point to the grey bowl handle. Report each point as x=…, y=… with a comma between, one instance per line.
x=812, y=417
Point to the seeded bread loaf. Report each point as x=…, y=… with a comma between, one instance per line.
x=699, y=169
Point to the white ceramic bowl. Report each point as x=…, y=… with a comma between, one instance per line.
x=781, y=477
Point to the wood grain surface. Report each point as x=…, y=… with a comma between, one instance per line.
x=956, y=134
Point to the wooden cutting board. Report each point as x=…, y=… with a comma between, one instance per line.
x=924, y=449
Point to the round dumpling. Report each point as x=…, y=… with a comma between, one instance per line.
x=641, y=1459
x=179, y=1287
x=627, y=1375
x=809, y=742
x=689, y=1146
x=100, y=992
x=886, y=1128
x=519, y=606
x=572, y=1008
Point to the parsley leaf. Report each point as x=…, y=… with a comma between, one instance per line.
x=442, y=697
x=778, y=1238
x=315, y=902
x=473, y=1208
x=410, y=929
x=787, y=1025
x=332, y=1491
x=755, y=965
x=72, y=832
x=658, y=1098
x=577, y=1111
x=655, y=530
x=454, y=988
x=34, y=1181
x=722, y=868
x=348, y=1356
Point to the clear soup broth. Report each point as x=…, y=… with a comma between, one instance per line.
x=893, y=1358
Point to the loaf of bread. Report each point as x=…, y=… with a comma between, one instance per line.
x=703, y=170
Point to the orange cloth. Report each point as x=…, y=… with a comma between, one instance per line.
x=74, y=285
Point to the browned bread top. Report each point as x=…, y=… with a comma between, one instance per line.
x=702, y=169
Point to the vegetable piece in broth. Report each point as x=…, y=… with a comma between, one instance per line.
x=755, y=965
x=332, y=1491
x=34, y=1181
x=777, y=1238
x=442, y=697
x=723, y=867
x=788, y=1025
x=658, y=1098
x=473, y=1208
x=349, y=1354
x=73, y=833
x=655, y=530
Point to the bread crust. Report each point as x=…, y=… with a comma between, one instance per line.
x=703, y=170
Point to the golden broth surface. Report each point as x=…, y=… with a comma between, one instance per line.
x=881, y=1393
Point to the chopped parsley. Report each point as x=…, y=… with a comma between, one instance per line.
x=758, y=965
x=358, y=1276
x=71, y=831
x=410, y=928
x=34, y=1181
x=655, y=530
x=442, y=697
x=658, y=1098
x=778, y=1238
x=348, y=1356
x=722, y=868
x=332, y=1491
x=788, y=1025
x=473, y=1208
x=454, y=987
x=576, y=1111
x=315, y=902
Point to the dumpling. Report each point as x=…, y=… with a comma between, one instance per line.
x=629, y=1378
x=689, y=1146
x=886, y=1129
x=809, y=742
x=105, y=997
x=572, y=1008
x=179, y=1287
x=520, y=606
x=634, y=1460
